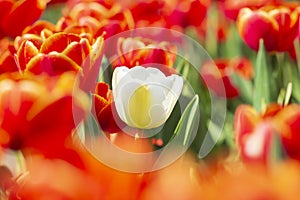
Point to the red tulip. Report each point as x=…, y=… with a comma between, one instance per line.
x=56, y=54
x=255, y=132
x=187, y=13
x=105, y=112
x=97, y=19
x=219, y=73
x=32, y=103
x=287, y=123
x=278, y=26
x=231, y=8
x=146, y=52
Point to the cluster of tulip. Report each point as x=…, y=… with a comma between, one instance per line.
x=75, y=73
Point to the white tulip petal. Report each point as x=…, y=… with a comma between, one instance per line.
x=158, y=115
x=145, y=97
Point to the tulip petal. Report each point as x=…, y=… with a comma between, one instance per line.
x=20, y=11
x=78, y=51
x=245, y=121
x=145, y=97
x=58, y=42
x=26, y=51
x=266, y=28
x=52, y=64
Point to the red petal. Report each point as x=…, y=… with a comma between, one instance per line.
x=109, y=119
x=287, y=122
x=26, y=51
x=39, y=26
x=49, y=128
x=52, y=64
x=36, y=40
x=245, y=121
x=26, y=10
x=102, y=89
x=5, y=6
x=256, y=25
x=256, y=146
x=100, y=103
x=58, y=42
x=78, y=51
x=7, y=63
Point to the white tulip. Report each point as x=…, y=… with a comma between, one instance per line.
x=145, y=97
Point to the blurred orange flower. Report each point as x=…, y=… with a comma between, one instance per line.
x=251, y=182
x=277, y=25
x=61, y=181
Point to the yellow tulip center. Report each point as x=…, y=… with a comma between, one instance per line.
x=139, y=105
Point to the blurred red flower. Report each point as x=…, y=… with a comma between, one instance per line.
x=231, y=8
x=33, y=104
x=96, y=19
x=277, y=25
x=218, y=73
x=186, y=13
x=7, y=58
x=255, y=132
x=16, y=15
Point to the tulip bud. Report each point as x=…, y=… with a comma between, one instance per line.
x=145, y=97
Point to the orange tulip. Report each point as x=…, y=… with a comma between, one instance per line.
x=278, y=26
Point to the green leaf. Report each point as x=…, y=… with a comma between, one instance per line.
x=277, y=153
x=232, y=45
x=293, y=76
x=262, y=83
x=188, y=123
x=297, y=48
x=245, y=88
x=53, y=12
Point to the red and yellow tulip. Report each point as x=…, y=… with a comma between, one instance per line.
x=255, y=132
x=277, y=25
